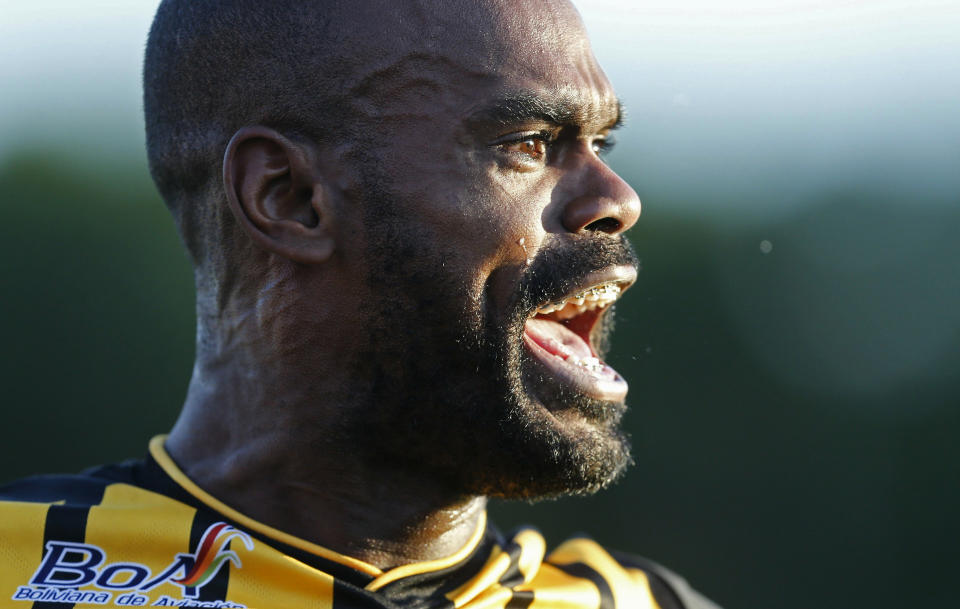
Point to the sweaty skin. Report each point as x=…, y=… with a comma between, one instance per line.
x=360, y=296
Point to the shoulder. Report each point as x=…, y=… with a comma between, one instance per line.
x=36, y=509
x=665, y=582
x=83, y=489
x=618, y=574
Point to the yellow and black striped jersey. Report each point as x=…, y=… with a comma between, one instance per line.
x=141, y=534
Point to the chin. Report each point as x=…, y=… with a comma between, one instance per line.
x=584, y=461
x=553, y=441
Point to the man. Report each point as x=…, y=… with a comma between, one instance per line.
x=406, y=244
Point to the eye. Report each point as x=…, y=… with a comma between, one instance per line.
x=527, y=148
x=534, y=147
x=602, y=145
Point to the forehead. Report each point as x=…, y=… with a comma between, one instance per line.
x=461, y=56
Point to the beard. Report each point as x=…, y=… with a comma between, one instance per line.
x=451, y=391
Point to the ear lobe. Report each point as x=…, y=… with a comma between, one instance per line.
x=275, y=191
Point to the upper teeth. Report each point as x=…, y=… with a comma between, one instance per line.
x=593, y=298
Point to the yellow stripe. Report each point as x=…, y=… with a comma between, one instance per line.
x=497, y=564
x=484, y=589
x=496, y=597
x=269, y=578
x=532, y=548
x=627, y=590
x=554, y=589
x=642, y=582
x=432, y=565
x=163, y=459
x=21, y=543
x=135, y=525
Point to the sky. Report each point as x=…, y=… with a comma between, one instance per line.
x=741, y=98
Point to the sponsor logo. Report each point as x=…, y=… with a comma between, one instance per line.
x=67, y=566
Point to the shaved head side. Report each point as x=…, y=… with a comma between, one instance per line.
x=214, y=66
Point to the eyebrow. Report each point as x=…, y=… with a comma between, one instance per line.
x=560, y=110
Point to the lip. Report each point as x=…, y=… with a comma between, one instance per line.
x=606, y=389
x=603, y=384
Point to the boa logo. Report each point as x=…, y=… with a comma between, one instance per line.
x=212, y=554
x=75, y=565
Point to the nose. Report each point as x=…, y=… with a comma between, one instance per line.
x=599, y=199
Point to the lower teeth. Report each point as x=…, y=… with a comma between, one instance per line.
x=590, y=363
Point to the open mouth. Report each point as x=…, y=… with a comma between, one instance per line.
x=559, y=335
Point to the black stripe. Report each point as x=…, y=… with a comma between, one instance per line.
x=512, y=576
x=583, y=571
x=430, y=589
x=521, y=599
x=348, y=596
x=66, y=523
x=216, y=588
x=72, y=490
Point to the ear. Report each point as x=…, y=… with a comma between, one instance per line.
x=275, y=190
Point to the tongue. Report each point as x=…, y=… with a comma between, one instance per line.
x=557, y=339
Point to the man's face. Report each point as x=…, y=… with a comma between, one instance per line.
x=493, y=251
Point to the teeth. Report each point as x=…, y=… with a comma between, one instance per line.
x=593, y=298
x=591, y=363
x=570, y=311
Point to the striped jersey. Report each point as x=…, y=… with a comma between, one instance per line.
x=141, y=534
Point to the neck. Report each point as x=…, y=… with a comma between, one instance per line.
x=321, y=492
x=261, y=434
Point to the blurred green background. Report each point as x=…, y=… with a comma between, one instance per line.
x=792, y=343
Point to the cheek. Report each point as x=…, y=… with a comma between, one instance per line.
x=483, y=222
x=517, y=204
x=501, y=226
x=482, y=218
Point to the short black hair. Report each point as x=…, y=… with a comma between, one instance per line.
x=213, y=66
